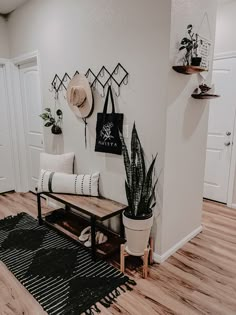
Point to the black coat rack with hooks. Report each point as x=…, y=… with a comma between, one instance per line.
x=116, y=78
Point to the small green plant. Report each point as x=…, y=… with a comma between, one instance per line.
x=53, y=122
x=140, y=185
x=191, y=44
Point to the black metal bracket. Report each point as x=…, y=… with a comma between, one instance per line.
x=104, y=78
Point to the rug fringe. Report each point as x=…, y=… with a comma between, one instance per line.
x=108, y=300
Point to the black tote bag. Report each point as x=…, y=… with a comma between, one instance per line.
x=108, y=127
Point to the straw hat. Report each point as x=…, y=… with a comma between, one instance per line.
x=79, y=96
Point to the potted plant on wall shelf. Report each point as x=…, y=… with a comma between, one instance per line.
x=53, y=122
x=191, y=60
x=140, y=192
x=190, y=44
x=203, y=92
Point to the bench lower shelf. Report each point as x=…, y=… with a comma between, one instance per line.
x=72, y=225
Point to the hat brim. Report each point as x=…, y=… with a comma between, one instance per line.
x=87, y=109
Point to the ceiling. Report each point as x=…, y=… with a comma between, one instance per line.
x=6, y=6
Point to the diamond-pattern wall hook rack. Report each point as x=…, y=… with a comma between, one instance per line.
x=116, y=78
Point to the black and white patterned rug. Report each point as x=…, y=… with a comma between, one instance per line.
x=60, y=274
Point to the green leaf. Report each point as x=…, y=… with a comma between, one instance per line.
x=44, y=116
x=48, y=124
x=129, y=197
x=148, y=182
x=185, y=41
x=138, y=167
x=47, y=109
x=126, y=159
x=152, y=196
x=133, y=167
x=59, y=112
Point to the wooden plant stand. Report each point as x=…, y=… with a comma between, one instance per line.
x=148, y=253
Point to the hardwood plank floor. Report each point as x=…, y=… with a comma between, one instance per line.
x=199, y=279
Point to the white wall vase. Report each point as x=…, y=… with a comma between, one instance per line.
x=137, y=234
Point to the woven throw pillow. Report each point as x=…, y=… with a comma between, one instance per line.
x=63, y=163
x=68, y=183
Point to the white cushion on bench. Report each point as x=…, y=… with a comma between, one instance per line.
x=63, y=163
x=68, y=183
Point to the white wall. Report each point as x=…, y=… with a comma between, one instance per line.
x=4, y=49
x=186, y=132
x=225, y=28
x=225, y=38
x=78, y=34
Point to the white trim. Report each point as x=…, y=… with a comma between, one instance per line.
x=22, y=147
x=3, y=61
x=225, y=55
x=26, y=58
x=19, y=122
x=233, y=205
x=161, y=258
x=230, y=193
x=16, y=115
x=13, y=133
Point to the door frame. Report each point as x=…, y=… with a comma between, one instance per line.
x=6, y=63
x=232, y=172
x=19, y=110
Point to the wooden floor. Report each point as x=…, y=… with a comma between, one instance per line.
x=199, y=279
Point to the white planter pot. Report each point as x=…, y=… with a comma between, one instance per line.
x=137, y=234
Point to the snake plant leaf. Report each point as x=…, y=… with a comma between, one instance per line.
x=153, y=205
x=134, y=149
x=129, y=197
x=138, y=168
x=126, y=160
x=152, y=196
x=148, y=181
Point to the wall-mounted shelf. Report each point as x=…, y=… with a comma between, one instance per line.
x=189, y=69
x=201, y=93
x=205, y=96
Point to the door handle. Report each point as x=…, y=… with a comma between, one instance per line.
x=228, y=133
x=227, y=144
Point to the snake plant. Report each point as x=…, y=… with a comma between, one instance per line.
x=139, y=185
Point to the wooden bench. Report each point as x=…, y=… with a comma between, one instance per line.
x=95, y=209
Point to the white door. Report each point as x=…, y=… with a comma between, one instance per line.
x=32, y=108
x=220, y=131
x=6, y=162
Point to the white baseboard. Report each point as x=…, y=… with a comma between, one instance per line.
x=161, y=258
x=233, y=206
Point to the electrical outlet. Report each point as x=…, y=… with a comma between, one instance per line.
x=126, y=131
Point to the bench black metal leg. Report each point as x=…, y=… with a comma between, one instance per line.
x=93, y=237
x=39, y=209
x=67, y=208
x=122, y=231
